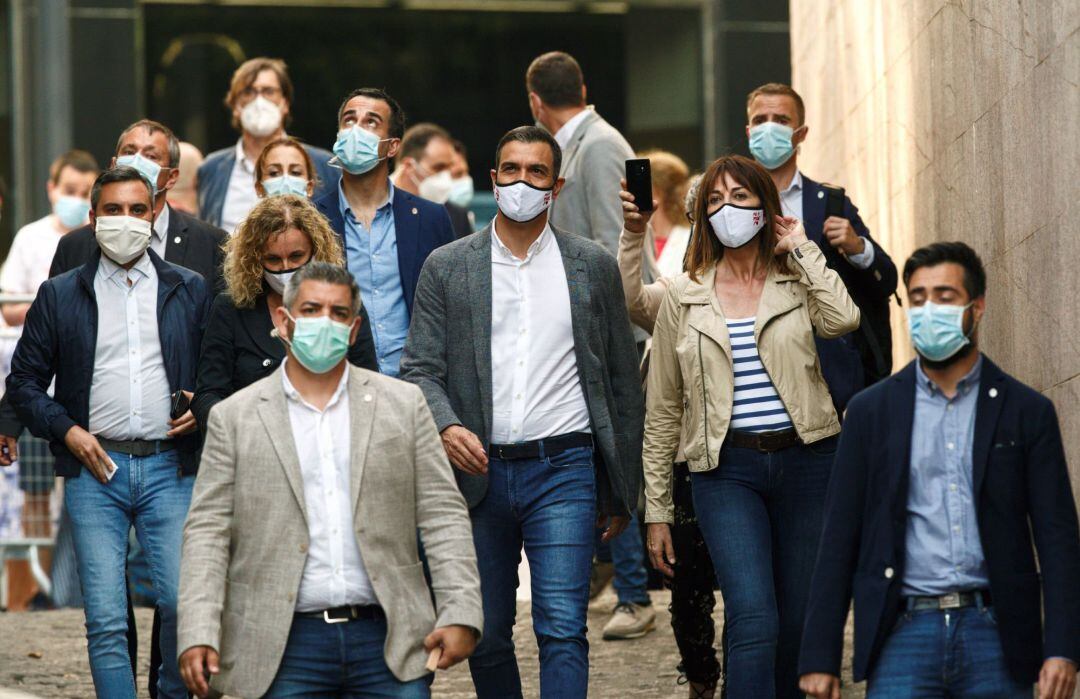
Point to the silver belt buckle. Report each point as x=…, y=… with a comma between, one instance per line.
x=949, y=601
x=328, y=620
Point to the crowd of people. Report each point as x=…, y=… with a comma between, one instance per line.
x=334, y=414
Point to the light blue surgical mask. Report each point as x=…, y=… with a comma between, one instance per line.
x=319, y=343
x=770, y=144
x=285, y=184
x=461, y=191
x=72, y=211
x=937, y=330
x=146, y=167
x=356, y=150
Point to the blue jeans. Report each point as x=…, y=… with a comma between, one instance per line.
x=627, y=553
x=340, y=660
x=549, y=505
x=761, y=517
x=149, y=493
x=955, y=653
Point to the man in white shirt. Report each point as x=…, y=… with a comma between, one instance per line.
x=302, y=568
x=121, y=335
x=522, y=345
x=594, y=160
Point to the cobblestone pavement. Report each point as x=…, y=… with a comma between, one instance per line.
x=44, y=654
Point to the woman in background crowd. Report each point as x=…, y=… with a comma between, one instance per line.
x=284, y=167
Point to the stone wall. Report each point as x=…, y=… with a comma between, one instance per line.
x=961, y=121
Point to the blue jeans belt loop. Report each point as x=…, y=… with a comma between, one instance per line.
x=952, y=600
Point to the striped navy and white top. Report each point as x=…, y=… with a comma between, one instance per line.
x=757, y=406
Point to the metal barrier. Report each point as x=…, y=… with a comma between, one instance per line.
x=35, y=500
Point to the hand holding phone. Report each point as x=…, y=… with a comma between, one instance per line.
x=639, y=182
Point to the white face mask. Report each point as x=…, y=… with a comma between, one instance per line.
x=736, y=226
x=437, y=187
x=122, y=238
x=520, y=201
x=260, y=117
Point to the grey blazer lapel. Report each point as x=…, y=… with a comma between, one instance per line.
x=274, y=413
x=362, y=400
x=579, y=284
x=478, y=266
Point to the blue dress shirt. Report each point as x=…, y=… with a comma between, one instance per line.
x=943, y=553
x=372, y=258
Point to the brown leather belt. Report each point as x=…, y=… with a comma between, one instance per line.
x=763, y=441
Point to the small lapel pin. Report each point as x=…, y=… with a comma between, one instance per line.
x=367, y=397
x=993, y=393
x=266, y=362
x=176, y=240
x=821, y=195
x=414, y=211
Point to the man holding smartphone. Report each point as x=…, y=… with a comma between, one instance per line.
x=104, y=331
x=776, y=127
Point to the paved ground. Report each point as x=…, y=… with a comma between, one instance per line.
x=43, y=654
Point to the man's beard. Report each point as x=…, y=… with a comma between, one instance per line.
x=963, y=352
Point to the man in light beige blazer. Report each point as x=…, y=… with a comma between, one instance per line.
x=300, y=567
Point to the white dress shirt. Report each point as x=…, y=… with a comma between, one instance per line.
x=129, y=392
x=536, y=391
x=158, y=240
x=791, y=204
x=566, y=131
x=240, y=197
x=334, y=574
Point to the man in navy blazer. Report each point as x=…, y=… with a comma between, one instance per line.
x=260, y=98
x=776, y=127
x=387, y=233
x=945, y=475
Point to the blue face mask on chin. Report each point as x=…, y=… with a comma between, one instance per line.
x=937, y=331
x=356, y=150
x=770, y=144
x=147, y=168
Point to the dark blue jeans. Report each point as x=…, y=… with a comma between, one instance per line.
x=954, y=654
x=146, y=492
x=761, y=517
x=340, y=660
x=549, y=505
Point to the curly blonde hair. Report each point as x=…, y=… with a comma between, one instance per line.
x=243, y=269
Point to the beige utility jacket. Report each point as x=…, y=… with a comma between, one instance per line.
x=691, y=381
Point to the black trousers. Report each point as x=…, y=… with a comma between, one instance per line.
x=692, y=588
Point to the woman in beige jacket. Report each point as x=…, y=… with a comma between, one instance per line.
x=735, y=379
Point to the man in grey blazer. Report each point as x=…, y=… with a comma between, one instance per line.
x=594, y=157
x=300, y=551
x=521, y=343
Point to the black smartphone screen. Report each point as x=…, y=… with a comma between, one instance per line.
x=834, y=200
x=180, y=404
x=639, y=182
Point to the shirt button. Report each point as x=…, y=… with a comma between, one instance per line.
x=289, y=597
x=889, y=572
x=952, y=487
x=956, y=529
x=950, y=446
x=303, y=548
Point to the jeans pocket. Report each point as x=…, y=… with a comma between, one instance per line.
x=901, y=620
x=824, y=447
x=989, y=615
x=577, y=457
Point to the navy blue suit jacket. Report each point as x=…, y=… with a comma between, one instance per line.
x=844, y=359
x=214, y=173
x=59, y=339
x=419, y=225
x=1022, y=493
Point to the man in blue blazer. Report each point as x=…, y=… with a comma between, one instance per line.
x=945, y=475
x=386, y=232
x=776, y=126
x=260, y=98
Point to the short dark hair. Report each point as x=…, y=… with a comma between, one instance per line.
x=155, y=127
x=531, y=134
x=321, y=272
x=960, y=253
x=416, y=139
x=78, y=160
x=557, y=79
x=460, y=148
x=121, y=173
x=397, y=114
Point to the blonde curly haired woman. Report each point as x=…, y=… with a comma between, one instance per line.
x=280, y=235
